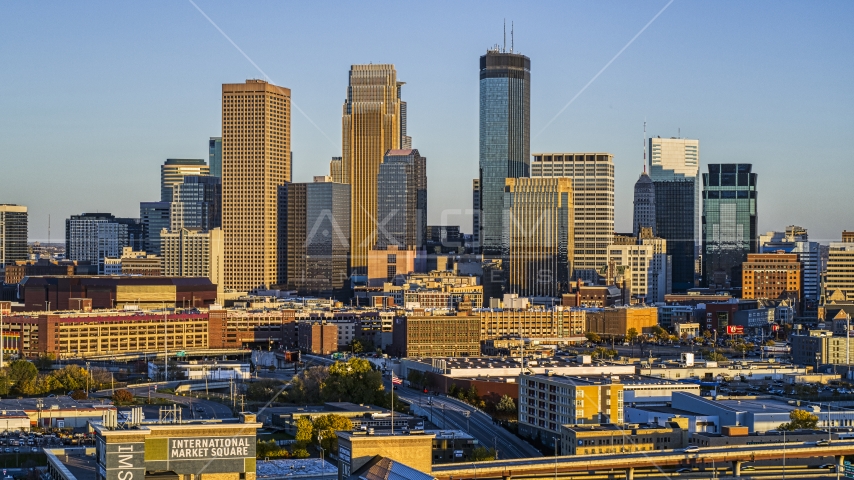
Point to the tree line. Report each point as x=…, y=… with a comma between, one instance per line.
x=22, y=377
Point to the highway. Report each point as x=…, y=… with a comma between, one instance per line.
x=704, y=459
x=449, y=413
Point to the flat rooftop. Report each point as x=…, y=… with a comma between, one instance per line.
x=308, y=467
x=606, y=379
x=61, y=402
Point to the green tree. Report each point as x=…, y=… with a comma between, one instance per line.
x=71, y=377
x=506, y=407
x=770, y=343
x=300, y=453
x=415, y=377
x=707, y=334
x=305, y=431
x=482, y=454
x=800, y=420
x=269, y=449
x=306, y=386
x=354, y=380
x=21, y=371
x=632, y=335
x=122, y=397
x=356, y=346
x=5, y=384
x=45, y=361
x=325, y=427
x=593, y=337
x=715, y=356
x=264, y=390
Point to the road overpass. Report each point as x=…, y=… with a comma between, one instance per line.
x=628, y=462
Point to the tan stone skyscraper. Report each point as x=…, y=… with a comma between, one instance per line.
x=256, y=161
x=372, y=124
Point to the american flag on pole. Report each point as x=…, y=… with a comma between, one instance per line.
x=395, y=380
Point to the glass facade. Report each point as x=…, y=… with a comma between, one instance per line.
x=215, y=156
x=505, y=97
x=675, y=202
x=197, y=203
x=13, y=234
x=729, y=222
x=318, y=238
x=155, y=217
x=402, y=200
x=93, y=236
x=674, y=167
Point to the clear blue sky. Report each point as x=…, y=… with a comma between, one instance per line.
x=95, y=96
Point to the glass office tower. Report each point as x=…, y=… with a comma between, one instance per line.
x=196, y=203
x=402, y=200
x=729, y=223
x=674, y=167
x=505, y=137
x=215, y=156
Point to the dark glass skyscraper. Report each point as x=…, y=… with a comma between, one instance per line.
x=215, y=156
x=13, y=234
x=729, y=222
x=402, y=200
x=505, y=137
x=317, y=238
x=196, y=203
x=674, y=167
x=154, y=217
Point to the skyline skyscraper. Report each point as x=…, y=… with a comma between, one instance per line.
x=538, y=236
x=592, y=176
x=505, y=138
x=93, y=236
x=215, y=156
x=644, y=205
x=13, y=233
x=372, y=125
x=196, y=203
x=154, y=217
x=174, y=170
x=402, y=200
x=317, y=218
x=256, y=163
x=729, y=222
x=674, y=168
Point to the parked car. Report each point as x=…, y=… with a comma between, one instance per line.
x=691, y=449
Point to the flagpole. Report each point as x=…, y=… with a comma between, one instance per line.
x=392, y=403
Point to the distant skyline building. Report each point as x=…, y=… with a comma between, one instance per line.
x=644, y=204
x=372, y=125
x=336, y=170
x=795, y=240
x=729, y=222
x=174, y=170
x=256, y=163
x=592, y=176
x=154, y=216
x=193, y=253
x=504, y=141
x=317, y=247
x=402, y=200
x=13, y=233
x=538, y=233
x=215, y=156
x=839, y=281
x=674, y=167
x=196, y=203
x=94, y=236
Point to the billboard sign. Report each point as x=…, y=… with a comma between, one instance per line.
x=735, y=329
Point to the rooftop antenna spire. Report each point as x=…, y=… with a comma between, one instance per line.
x=644, y=146
x=511, y=36
x=504, y=47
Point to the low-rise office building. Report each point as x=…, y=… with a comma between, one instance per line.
x=618, y=321
x=419, y=335
x=548, y=401
x=581, y=440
